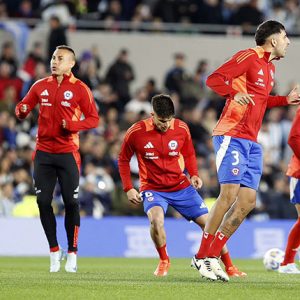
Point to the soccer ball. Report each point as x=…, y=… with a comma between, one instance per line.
x=273, y=258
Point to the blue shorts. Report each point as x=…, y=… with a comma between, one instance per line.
x=238, y=161
x=187, y=202
x=295, y=190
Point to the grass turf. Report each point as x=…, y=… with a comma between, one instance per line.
x=120, y=278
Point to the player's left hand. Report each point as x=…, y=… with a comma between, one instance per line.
x=293, y=97
x=196, y=182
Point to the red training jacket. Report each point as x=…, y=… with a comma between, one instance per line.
x=162, y=156
x=294, y=142
x=248, y=71
x=68, y=100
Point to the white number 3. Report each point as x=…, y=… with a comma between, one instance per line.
x=236, y=157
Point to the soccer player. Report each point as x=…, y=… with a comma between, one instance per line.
x=63, y=101
x=164, y=148
x=288, y=265
x=246, y=81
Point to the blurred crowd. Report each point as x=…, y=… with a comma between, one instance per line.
x=119, y=107
x=232, y=12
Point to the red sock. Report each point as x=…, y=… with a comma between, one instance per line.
x=292, y=244
x=162, y=252
x=226, y=260
x=217, y=245
x=54, y=249
x=207, y=239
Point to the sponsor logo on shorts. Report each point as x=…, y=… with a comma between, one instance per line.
x=235, y=171
x=149, y=196
x=202, y=205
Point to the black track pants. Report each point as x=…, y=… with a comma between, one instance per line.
x=48, y=168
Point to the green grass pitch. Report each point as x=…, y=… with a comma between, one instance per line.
x=125, y=278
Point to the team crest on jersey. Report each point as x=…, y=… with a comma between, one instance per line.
x=68, y=95
x=235, y=171
x=173, y=145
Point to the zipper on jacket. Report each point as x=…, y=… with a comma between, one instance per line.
x=268, y=81
x=163, y=153
x=53, y=113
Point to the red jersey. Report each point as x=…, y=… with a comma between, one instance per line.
x=248, y=71
x=294, y=142
x=162, y=156
x=69, y=100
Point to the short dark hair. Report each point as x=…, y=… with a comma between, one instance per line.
x=65, y=47
x=266, y=29
x=55, y=18
x=163, y=106
x=123, y=51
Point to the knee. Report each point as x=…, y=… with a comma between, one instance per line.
x=251, y=203
x=157, y=223
x=228, y=195
x=246, y=204
x=71, y=205
x=44, y=201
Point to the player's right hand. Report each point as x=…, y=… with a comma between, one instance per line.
x=134, y=196
x=24, y=108
x=196, y=182
x=244, y=99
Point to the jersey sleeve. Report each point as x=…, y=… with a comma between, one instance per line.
x=220, y=81
x=31, y=99
x=188, y=152
x=88, y=108
x=274, y=101
x=127, y=151
x=294, y=136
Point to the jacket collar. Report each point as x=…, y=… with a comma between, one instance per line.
x=67, y=77
x=266, y=55
x=150, y=124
